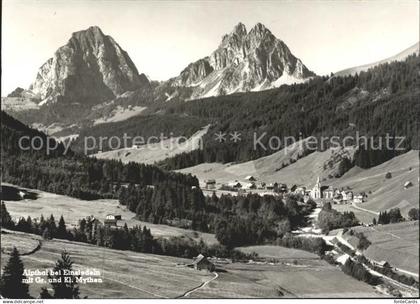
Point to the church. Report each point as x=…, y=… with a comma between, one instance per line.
x=316, y=192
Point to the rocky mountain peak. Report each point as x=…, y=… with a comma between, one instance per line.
x=90, y=68
x=259, y=29
x=244, y=61
x=239, y=29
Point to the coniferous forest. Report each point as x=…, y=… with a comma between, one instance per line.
x=380, y=101
x=155, y=195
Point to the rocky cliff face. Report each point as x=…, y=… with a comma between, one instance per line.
x=90, y=68
x=244, y=61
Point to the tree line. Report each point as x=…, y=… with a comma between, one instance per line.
x=74, y=174
x=235, y=220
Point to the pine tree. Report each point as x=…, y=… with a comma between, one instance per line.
x=65, y=286
x=6, y=219
x=61, y=229
x=374, y=221
x=52, y=226
x=12, y=285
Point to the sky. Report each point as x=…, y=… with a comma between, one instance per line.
x=163, y=37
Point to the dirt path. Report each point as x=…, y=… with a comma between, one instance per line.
x=38, y=247
x=216, y=275
x=363, y=209
x=407, y=272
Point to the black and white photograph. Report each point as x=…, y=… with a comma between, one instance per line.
x=210, y=149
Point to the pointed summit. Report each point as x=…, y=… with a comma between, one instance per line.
x=259, y=30
x=91, y=68
x=244, y=61
x=240, y=29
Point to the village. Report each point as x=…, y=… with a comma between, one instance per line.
x=319, y=192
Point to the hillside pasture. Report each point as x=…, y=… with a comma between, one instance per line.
x=308, y=279
x=397, y=244
x=125, y=274
x=74, y=209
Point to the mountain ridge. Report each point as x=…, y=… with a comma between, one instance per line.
x=414, y=49
x=244, y=61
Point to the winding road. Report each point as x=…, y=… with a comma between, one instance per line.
x=186, y=294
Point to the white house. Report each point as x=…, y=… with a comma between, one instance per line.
x=235, y=184
x=249, y=186
x=210, y=184
x=347, y=195
x=359, y=198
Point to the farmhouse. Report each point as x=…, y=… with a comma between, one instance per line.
x=201, y=262
x=210, y=184
x=359, y=198
x=347, y=195
x=383, y=264
x=261, y=185
x=271, y=186
x=250, y=186
x=282, y=188
x=111, y=219
x=235, y=184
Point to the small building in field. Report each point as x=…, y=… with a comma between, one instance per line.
x=210, y=184
x=359, y=198
x=272, y=186
x=235, y=184
x=282, y=188
x=111, y=219
x=250, y=178
x=261, y=186
x=383, y=264
x=249, y=186
x=408, y=185
x=201, y=262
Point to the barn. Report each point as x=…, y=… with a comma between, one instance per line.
x=201, y=262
